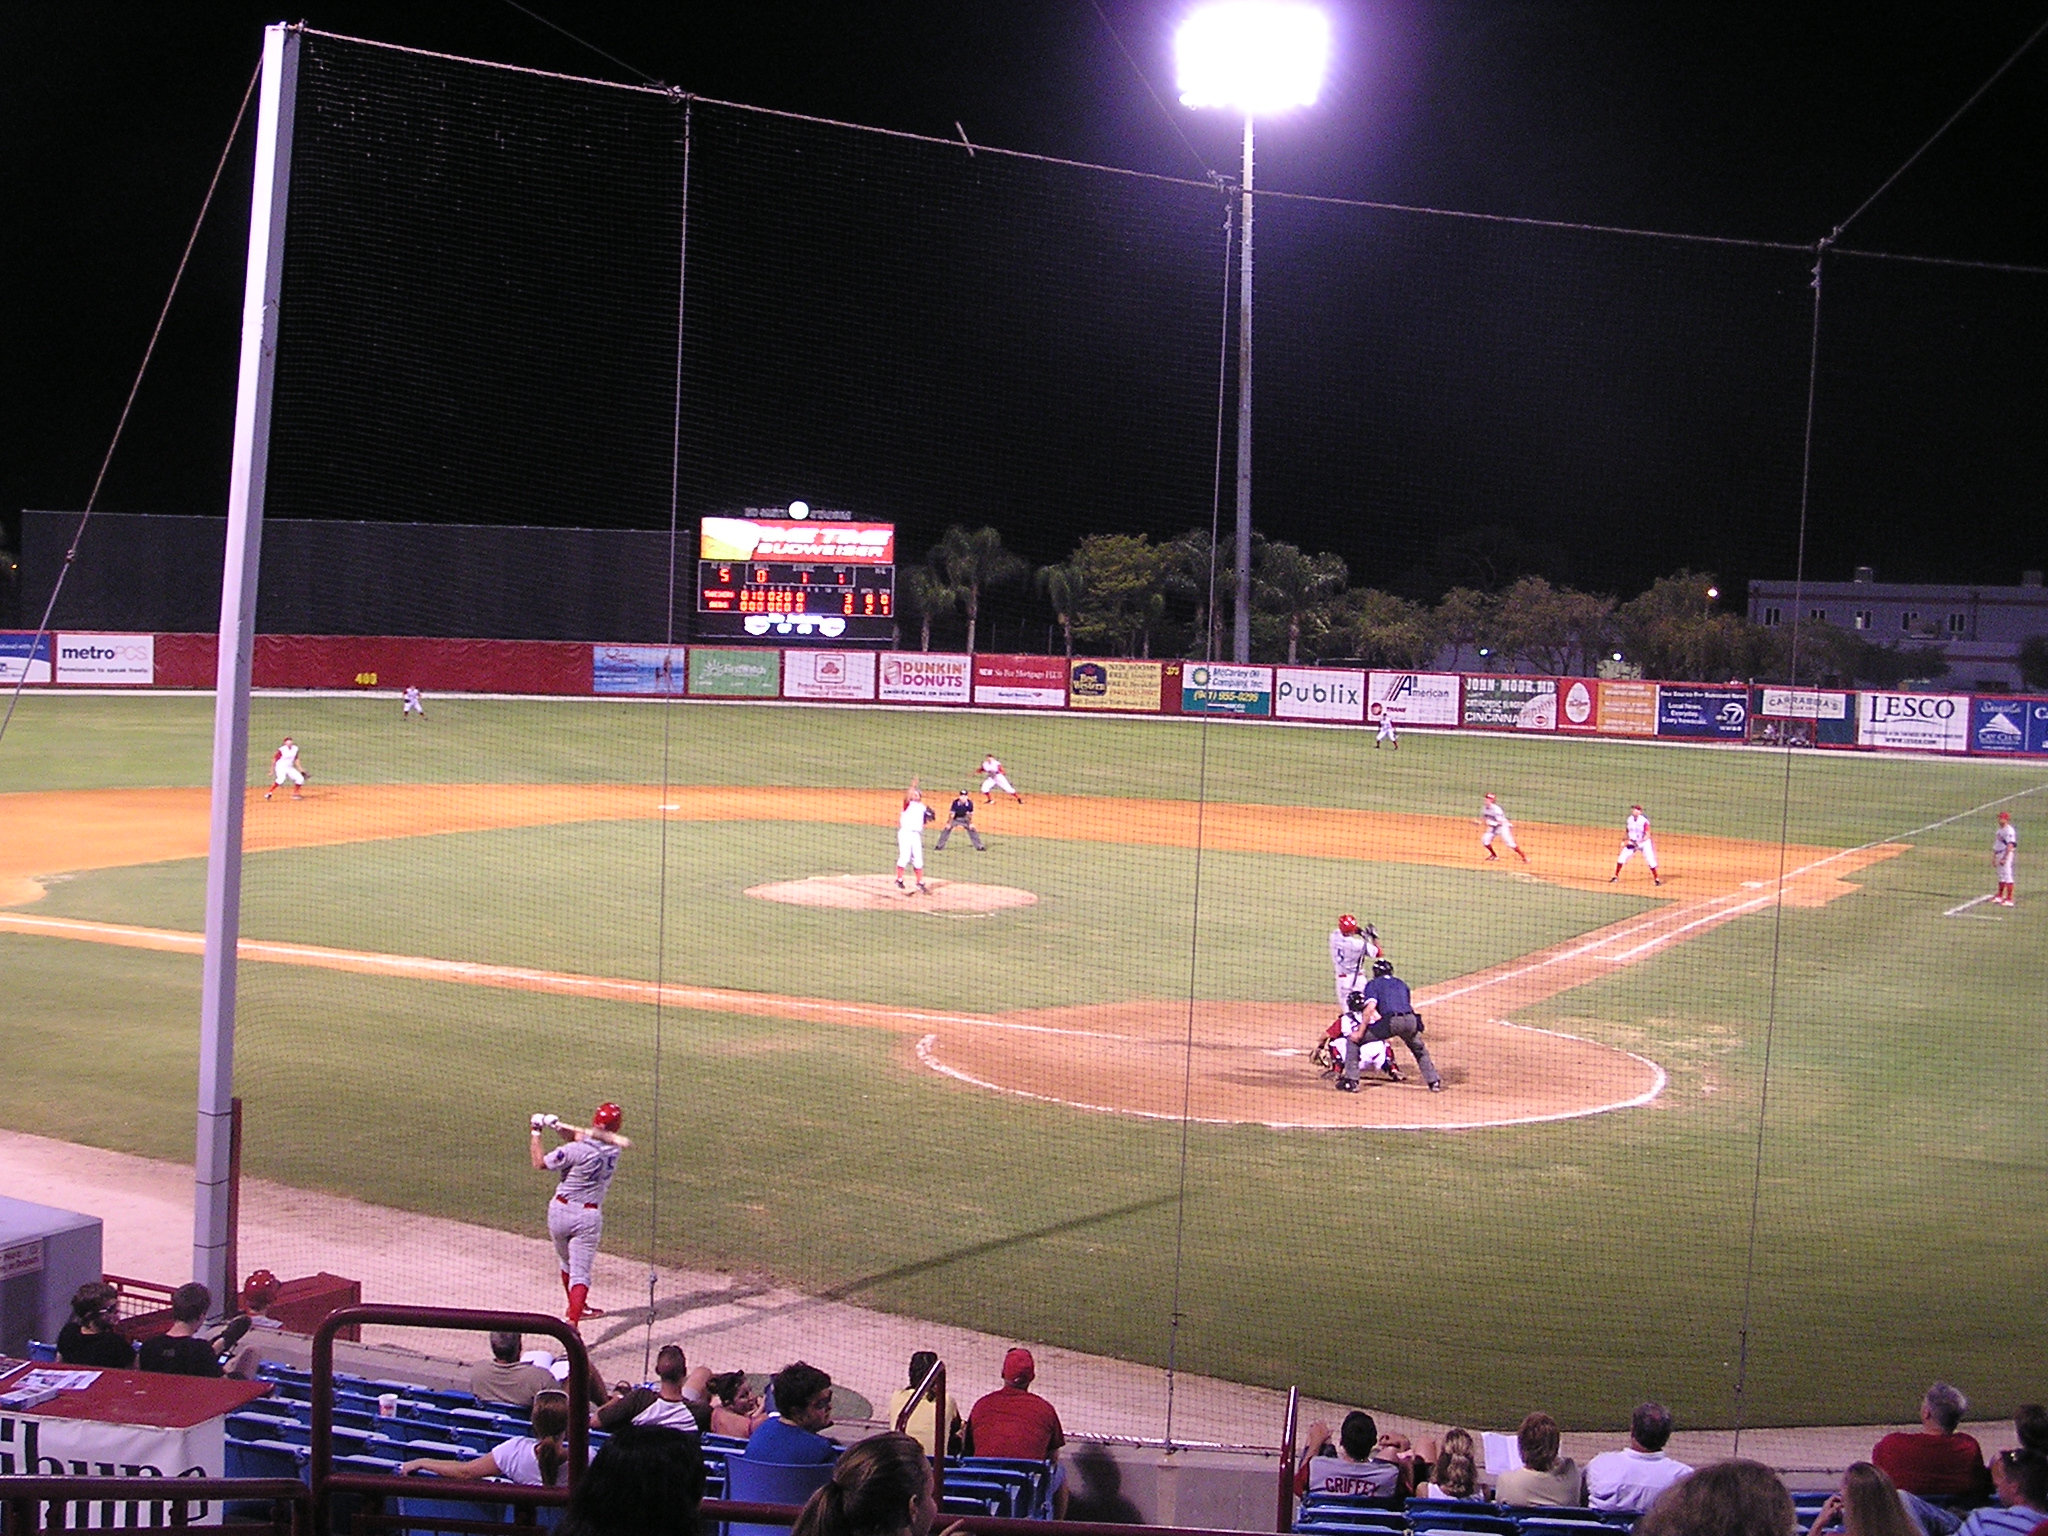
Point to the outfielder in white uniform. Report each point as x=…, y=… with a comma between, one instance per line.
x=910, y=823
x=1352, y=951
x=412, y=705
x=2005, y=845
x=284, y=767
x=1386, y=734
x=576, y=1212
x=1635, y=838
x=1494, y=822
x=992, y=778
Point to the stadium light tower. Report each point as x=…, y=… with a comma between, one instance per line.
x=1256, y=57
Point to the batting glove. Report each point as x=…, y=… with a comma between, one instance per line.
x=552, y=1122
x=538, y=1122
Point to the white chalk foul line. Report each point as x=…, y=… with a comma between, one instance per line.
x=1974, y=901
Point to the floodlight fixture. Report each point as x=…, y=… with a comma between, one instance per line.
x=1256, y=57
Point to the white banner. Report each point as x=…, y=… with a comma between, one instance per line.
x=1311, y=693
x=924, y=677
x=126, y=661
x=828, y=674
x=1804, y=704
x=1412, y=698
x=1916, y=722
x=33, y=1446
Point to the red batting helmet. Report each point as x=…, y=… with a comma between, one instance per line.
x=607, y=1116
x=1347, y=924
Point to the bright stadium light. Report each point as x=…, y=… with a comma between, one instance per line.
x=1255, y=57
x=1713, y=592
x=799, y=510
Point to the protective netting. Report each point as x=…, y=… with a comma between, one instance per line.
x=1758, y=1139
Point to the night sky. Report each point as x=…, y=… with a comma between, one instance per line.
x=1433, y=397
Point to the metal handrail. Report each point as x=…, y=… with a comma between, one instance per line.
x=1284, y=1518
x=935, y=1383
x=22, y=1498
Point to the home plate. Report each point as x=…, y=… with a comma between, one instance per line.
x=874, y=893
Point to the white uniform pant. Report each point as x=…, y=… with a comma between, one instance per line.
x=2004, y=863
x=997, y=781
x=286, y=771
x=1386, y=731
x=1346, y=985
x=1649, y=852
x=910, y=850
x=1505, y=832
x=575, y=1228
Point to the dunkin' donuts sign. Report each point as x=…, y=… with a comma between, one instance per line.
x=924, y=677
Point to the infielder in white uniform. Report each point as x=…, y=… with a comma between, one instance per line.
x=992, y=778
x=2005, y=845
x=284, y=767
x=1635, y=837
x=412, y=705
x=1386, y=734
x=910, y=823
x=1494, y=823
x=576, y=1213
x=1352, y=951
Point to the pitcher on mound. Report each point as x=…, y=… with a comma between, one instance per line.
x=910, y=825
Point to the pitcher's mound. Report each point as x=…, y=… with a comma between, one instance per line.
x=874, y=893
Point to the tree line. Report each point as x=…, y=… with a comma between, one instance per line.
x=1124, y=594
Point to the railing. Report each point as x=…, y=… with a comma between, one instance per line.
x=23, y=1501
x=935, y=1383
x=1284, y=1519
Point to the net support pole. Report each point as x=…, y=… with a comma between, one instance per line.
x=212, y=1166
x=1241, y=633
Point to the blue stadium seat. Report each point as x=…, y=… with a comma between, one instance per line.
x=981, y=1507
x=1002, y=1495
x=426, y=1511
x=264, y=1458
x=1349, y=1501
x=41, y=1353
x=1545, y=1525
x=259, y=1426
x=723, y=1443
x=382, y=1466
x=1037, y=1473
x=1352, y=1524
x=770, y=1482
x=1571, y=1513
x=1437, y=1519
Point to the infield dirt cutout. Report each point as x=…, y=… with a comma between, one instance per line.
x=1225, y=1062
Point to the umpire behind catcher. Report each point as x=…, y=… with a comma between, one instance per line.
x=1388, y=1013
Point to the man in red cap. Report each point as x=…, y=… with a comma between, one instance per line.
x=1014, y=1421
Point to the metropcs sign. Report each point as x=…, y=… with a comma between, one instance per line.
x=123, y=661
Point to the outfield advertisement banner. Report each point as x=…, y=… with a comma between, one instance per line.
x=1127, y=685
x=1311, y=693
x=1714, y=714
x=1577, y=706
x=107, y=661
x=1803, y=704
x=1914, y=722
x=1023, y=682
x=846, y=675
x=1626, y=708
x=24, y=652
x=734, y=674
x=1511, y=703
x=1210, y=688
x=1412, y=698
x=2008, y=725
x=637, y=669
x=925, y=677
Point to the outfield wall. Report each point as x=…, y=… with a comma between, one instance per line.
x=1990, y=725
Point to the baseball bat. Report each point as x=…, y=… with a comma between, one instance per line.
x=592, y=1133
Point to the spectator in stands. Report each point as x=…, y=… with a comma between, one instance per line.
x=919, y=1425
x=259, y=1294
x=2020, y=1479
x=1633, y=1478
x=736, y=1408
x=508, y=1379
x=1935, y=1461
x=1455, y=1474
x=882, y=1487
x=644, y=1481
x=1730, y=1498
x=1868, y=1505
x=535, y=1460
x=2031, y=1425
x=177, y=1350
x=1016, y=1422
x=90, y=1337
x=1357, y=1468
x=795, y=1433
x=674, y=1402
x=1543, y=1479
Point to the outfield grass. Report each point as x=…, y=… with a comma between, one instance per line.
x=1471, y=1276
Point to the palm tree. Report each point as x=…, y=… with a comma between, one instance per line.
x=1067, y=592
x=1297, y=586
x=928, y=594
x=973, y=562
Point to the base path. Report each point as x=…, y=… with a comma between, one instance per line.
x=1219, y=1062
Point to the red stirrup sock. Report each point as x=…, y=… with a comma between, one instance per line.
x=577, y=1294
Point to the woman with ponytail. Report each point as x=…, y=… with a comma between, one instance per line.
x=881, y=1487
x=535, y=1459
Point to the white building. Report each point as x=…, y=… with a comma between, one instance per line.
x=1979, y=629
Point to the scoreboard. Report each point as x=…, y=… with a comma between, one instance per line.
x=773, y=575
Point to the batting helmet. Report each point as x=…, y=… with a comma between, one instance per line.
x=1383, y=967
x=1347, y=924
x=607, y=1116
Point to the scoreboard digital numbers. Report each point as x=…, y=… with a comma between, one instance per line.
x=794, y=575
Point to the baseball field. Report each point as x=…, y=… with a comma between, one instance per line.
x=1068, y=1095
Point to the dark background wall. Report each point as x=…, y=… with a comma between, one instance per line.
x=144, y=572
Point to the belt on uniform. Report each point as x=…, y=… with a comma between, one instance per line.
x=588, y=1205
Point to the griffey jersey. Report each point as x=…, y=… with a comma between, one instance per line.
x=586, y=1168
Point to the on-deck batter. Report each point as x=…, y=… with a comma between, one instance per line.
x=576, y=1212
x=284, y=767
x=1635, y=838
x=2005, y=844
x=910, y=823
x=1493, y=819
x=992, y=778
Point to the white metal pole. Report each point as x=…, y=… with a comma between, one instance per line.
x=210, y=1168
x=1241, y=636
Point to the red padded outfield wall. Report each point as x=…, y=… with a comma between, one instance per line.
x=386, y=661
